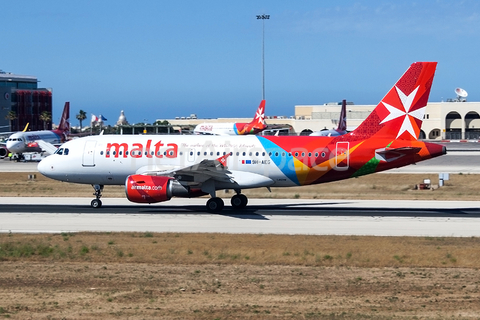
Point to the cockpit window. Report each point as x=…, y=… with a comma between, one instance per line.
x=65, y=152
x=60, y=151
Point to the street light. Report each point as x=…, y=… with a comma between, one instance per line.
x=263, y=17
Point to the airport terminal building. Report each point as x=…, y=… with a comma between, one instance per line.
x=451, y=120
x=22, y=102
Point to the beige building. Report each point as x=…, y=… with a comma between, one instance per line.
x=443, y=120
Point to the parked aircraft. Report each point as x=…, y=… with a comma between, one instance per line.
x=341, y=128
x=235, y=128
x=155, y=168
x=38, y=141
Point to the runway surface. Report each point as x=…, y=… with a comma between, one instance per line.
x=313, y=217
x=326, y=217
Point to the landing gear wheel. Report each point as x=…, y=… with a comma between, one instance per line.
x=215, y=205
x=239, y=201
x=96, y=203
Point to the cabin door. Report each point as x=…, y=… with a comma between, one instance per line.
x=89, y=154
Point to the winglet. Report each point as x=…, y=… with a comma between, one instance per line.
x=223, y=160
x=26, y=126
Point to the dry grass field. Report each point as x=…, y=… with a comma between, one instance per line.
x=221, y=276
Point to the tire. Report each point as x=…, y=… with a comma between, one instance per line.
x=215, y=205
x=239, y=201
x=96, y=203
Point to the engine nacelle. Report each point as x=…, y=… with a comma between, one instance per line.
x=3, y=152
x=150, y=189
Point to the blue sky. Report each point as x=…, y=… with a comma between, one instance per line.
x=161, y=59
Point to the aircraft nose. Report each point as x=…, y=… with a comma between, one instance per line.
x=13, y=146
x=46, y=167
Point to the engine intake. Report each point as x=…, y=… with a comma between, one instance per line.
x=151, y=189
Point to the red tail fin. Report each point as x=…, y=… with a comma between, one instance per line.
x=259, y=119
x=64, y=125
x=400, y=113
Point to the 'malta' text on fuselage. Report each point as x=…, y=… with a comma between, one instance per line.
x=138, y=150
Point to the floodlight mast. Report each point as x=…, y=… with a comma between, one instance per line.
x=263, y=17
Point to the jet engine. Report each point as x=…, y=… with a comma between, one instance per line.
x=150, y=189
x=3, y=152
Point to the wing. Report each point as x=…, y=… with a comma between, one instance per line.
x=210, y=175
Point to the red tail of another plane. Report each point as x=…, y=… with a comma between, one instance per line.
x=257, y=125
x=64, y=127
x=400, y=113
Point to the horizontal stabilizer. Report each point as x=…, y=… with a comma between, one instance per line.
x=390, y=154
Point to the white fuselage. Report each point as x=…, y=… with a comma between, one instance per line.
x=110, y=159
x=220, y=129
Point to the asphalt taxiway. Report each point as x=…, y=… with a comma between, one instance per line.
x=317, y=217
x=273, y=216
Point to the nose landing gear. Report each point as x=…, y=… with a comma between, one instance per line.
x=97, y=203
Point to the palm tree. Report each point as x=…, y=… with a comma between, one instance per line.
x=11, y=115
x=82, y=115
x=45, y=116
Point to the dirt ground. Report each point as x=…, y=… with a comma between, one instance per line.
x=220, y=276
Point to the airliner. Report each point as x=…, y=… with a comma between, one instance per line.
x=235, y=128
x=43, y=140
x=155, y=168
x=341, y=128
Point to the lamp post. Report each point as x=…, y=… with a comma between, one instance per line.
x=263, y=17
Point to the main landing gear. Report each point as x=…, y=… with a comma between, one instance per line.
x=238, y=201
x=97, y=203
